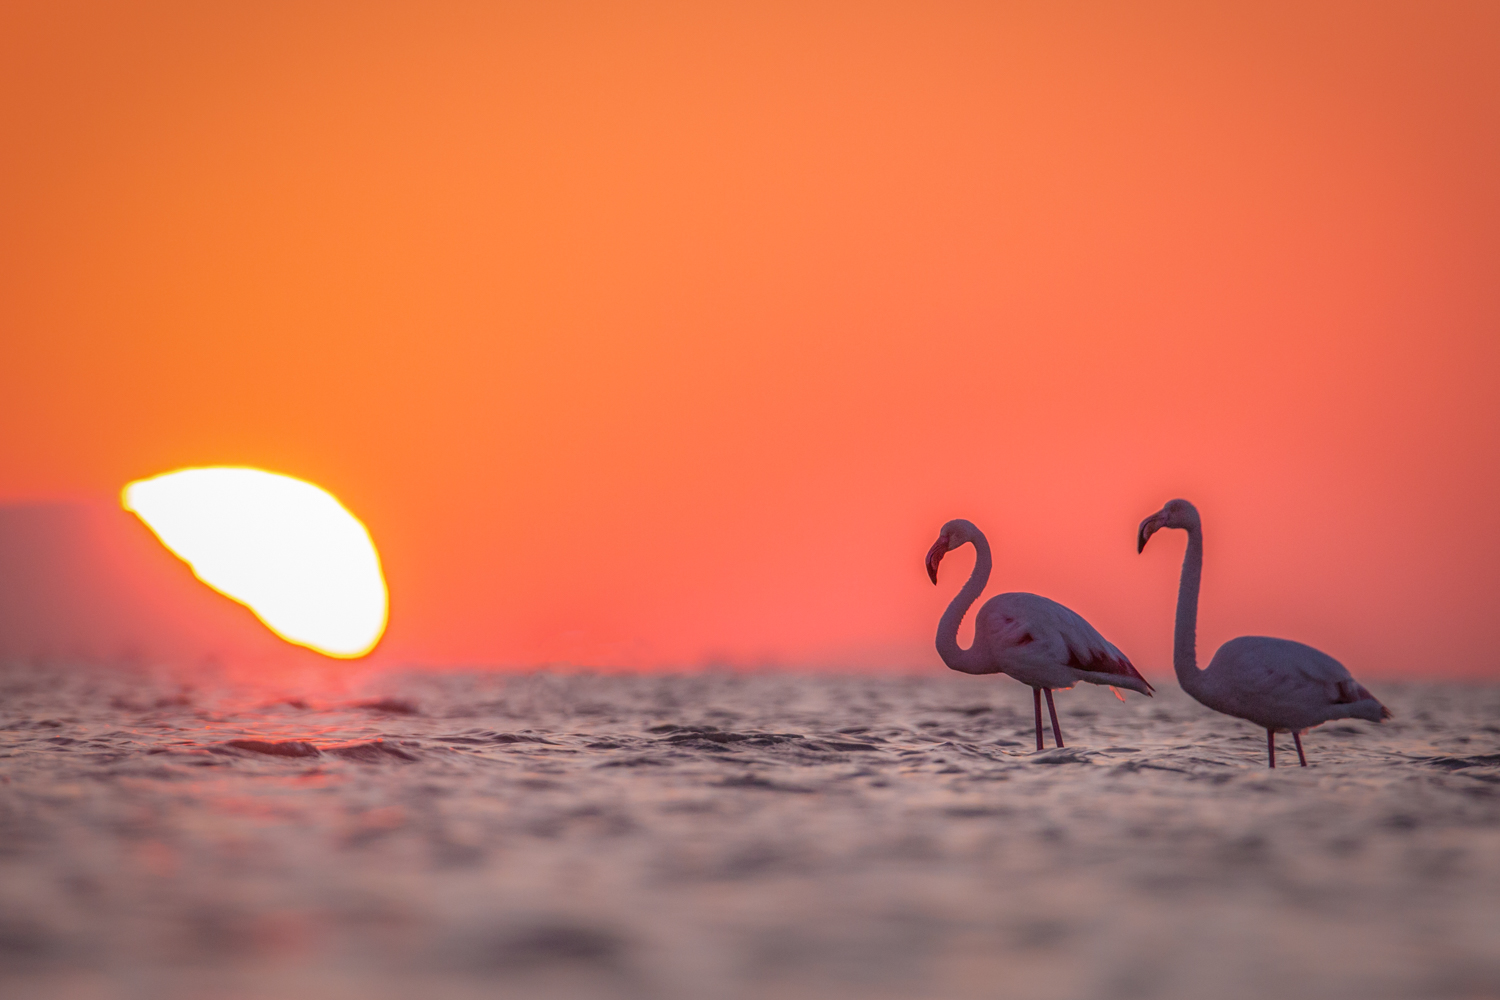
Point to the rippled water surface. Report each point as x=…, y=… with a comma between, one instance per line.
x=726, y=836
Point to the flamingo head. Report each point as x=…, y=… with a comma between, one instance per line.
x=1176, y=514
x=954, y=534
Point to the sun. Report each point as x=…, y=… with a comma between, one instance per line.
x=283, y=547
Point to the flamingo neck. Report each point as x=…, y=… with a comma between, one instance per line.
x=1185, y=639
x=970, y=661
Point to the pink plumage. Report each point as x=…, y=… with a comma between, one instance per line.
x=1035, y=640
x=1280, y=685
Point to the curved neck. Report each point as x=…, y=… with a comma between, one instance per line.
x=967, y=660
x=1185, y=640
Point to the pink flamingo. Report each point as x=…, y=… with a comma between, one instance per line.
x=1037, y=641
x=1278, y=684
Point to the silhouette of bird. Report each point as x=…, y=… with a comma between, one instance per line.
x=1035, y=640
x=1278, y=684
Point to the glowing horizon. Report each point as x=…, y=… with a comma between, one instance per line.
x=283, y=547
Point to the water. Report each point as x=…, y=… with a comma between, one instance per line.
x=732, y=836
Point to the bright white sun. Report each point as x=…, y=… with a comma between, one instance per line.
x=285, y=548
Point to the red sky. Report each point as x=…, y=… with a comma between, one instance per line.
x=647, y=334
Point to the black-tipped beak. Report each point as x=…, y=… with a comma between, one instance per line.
x=935, y=556
x=1148, y=528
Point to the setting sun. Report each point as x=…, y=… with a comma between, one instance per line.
x=285, y=548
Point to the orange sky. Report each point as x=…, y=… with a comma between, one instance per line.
x=671, y=333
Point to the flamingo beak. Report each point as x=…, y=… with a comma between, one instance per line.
x=935, y=556
x=1149, y=527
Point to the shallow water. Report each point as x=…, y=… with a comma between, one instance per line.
x=728, y=835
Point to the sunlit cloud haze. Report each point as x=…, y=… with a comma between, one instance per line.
x=656, y=335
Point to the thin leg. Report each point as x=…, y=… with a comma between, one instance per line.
x=1271, y=746
x=1052, y=709
x=1300, y=755
x=1037, y=697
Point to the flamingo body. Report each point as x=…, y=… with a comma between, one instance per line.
x=1035, y=640
x=1283, y=686
x=1280, y=685
x=1047, y=645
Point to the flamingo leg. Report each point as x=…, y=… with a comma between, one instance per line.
x=1036, y=696
x=1300, y=755
x=1271, y=746
x=1052, y=710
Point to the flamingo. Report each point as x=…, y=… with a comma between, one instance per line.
x=1277, y=684
x=1035, y=640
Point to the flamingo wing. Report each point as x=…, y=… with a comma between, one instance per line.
x=1071, y=640
x=1110, y=662
x=1352, y=691
x=1335, y=682
x=1269, y=670
x=1091, y=652
x=1268, y=674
